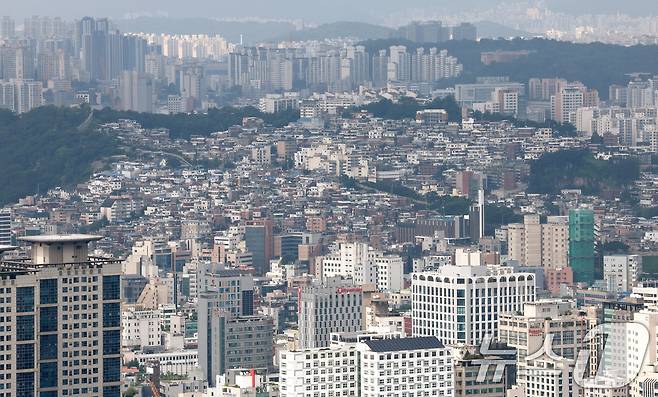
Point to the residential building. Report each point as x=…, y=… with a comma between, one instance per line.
x=5, y=227
x=621, y=272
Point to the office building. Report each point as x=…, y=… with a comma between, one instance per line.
x=582, y=244
x=326, y=308
x=62, y=328
x=227, y=340
x=259, y=240
x=497, y=367
x=462, y=304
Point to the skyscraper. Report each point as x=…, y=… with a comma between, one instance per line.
x=62, y=328
x=581, y=244
x=136, y=91
x=7, y=28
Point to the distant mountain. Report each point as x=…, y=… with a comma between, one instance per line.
x=493, y=30
x=358, y=30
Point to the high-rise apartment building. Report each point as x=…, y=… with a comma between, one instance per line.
x=621, y=272
x=365, y=265
x=136, y=92
x=62, y=328
x=532, y=243
x=29, y=95
x=582, y=244
x=7, y=28
x=330, y=307
x=462, y=304
x=5, y=227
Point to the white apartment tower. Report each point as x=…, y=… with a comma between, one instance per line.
x=5, y=227
x=621, y=272
x=532, y=243
x=365, y=265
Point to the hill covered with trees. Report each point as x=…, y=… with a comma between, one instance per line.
x=183, y=125
x=46, y=148
x=407, y=108
x=579, y=169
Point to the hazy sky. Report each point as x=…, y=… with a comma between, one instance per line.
x=310, y=10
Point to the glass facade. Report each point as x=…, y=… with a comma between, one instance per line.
x=48, y=319
x=111, y=342
x=48, y=347
x=25, y=356
x=111, y=315
x=111, y=287
x=111, y=391
x=24, y=299
x=25, y=384
x=48, y=375
x=582, y=245
x=111, y=369
x=48, y=291
x=24, y=328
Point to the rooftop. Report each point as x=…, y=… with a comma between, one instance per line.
x=400, y=344
x=61, y=238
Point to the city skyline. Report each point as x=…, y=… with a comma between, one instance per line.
x=452, y=199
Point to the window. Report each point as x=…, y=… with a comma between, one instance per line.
x=48, y=375
x=48, y=319
x=25, y=356
x=25, y=384
x=24, y=299
x=111, y=288
x=48, y=347
x=111, y=370
x=111, y=315
x=48, y=291
x=111, y=342
x=24, y=328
